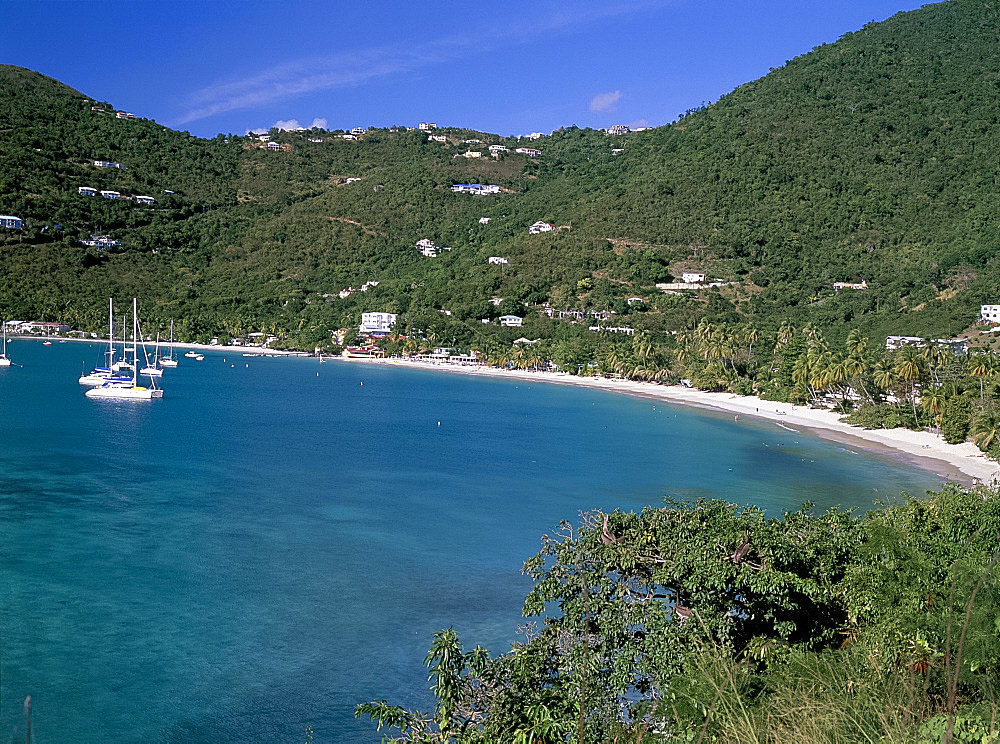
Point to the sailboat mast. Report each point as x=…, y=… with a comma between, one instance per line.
x=135, y=343
x=111, y=332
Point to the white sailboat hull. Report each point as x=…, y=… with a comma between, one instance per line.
x=122, y=392
x=169, y=363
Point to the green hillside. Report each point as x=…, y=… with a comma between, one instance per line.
x=873, y=157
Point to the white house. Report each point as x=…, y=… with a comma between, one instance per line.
x=472, y=142
x=109, y=164
x=86, y=191
x=531, y=152
x=617, y=129
x=534, y=136
x=427, y=126
x=495, y=149
x=314, y=139
x=484, y=220
x=14, y=223
x=989, y=313
x=437, y=138
x=511, y=321
x=634, y=300
x=499, y=260
x=692, y=277
x=273, y=145
x=472, y=154
x=540, y=227
x=358, y=131
x=617, y=150
x=102, y=242
x=145, y=199
x=476, y=188
x=850, y=285
x=352, y=179
x=958, y=346
x=377, y=324
x=111, y=195
x=124, y=115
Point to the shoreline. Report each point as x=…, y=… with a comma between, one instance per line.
x=923, y=449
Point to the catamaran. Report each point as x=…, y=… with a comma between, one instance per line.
x=130, y=390
x=169, y=361
x=4, y=361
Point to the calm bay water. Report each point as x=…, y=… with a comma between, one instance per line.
x=264, y=548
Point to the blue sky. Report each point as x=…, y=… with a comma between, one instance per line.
x=510, y=68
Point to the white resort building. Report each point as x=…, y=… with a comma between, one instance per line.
x=377, y=324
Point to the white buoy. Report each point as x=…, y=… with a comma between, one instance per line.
x=439, y=423
x=362, y=384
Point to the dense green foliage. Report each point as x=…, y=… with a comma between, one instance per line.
x=711, y=622
x=874, y=156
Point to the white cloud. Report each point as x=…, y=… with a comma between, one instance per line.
x=286, y=126
x=318, y=123
x=258, y=130
x=605, y=102
x=638, y=123
x=355, y=67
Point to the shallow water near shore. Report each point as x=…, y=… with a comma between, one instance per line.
x=265, y=547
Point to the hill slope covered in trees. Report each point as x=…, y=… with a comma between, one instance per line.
x=873, y=157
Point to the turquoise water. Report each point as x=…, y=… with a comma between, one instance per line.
x=264, y=548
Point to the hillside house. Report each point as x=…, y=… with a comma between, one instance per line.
x=531, y=152
x=496, y=149
x=958, y=346
x=617, y=129
x=511, y=321
x=479, y=189
x=612, y=329
x=145, y=199
x=86, y=191
x=358, y=131
x=437, y=138
x=42, y=326
x=634, y=300
x=426, y=126
x=314, y=139
x=111, y=195
x=352, y=179
x=472, y=142
x=427, y=248
x=692, y=277
x=534, y=136
x=264, y=138
x=109, y=164
x=989, y=313
x=498, y=260
x=102, y=242
x=484, y=220
x=273, y=146
x=11, y=222
x=377, y=324
x=540, y=227
x=472, y=154
x=850, y=285
x=124, y=115
x=617, y=150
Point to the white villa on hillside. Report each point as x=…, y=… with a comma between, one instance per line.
x=484, y=220
x=692, y=277
x=850, y=285
x=494, y=149
x=511, y=321
x=499, y=260
x=476, y=188
x=86, y=191
x=426, y=126
x=531, y=152
x=111, y=195
x=958, y=346
x=377, y=324
x=618, y=129
x=540, y=227
x=437, y=138
x=10, y=221
x=989, y=313
x=145, y=199
x=109, y=164
x=273, y=146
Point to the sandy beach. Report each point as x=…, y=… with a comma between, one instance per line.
x=956, y=462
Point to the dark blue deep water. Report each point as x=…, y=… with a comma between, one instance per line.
x=264, y=548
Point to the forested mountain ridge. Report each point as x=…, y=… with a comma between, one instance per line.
x=873, y=157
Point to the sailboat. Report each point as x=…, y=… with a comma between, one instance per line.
x=152, y=370
x=168, y=361
x=129, y=390
x=102, y=374
x=4, y=361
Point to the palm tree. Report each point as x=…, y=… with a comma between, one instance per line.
x=884, y=375
x=985, y=429
x=932, y=400
x=981, y=365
